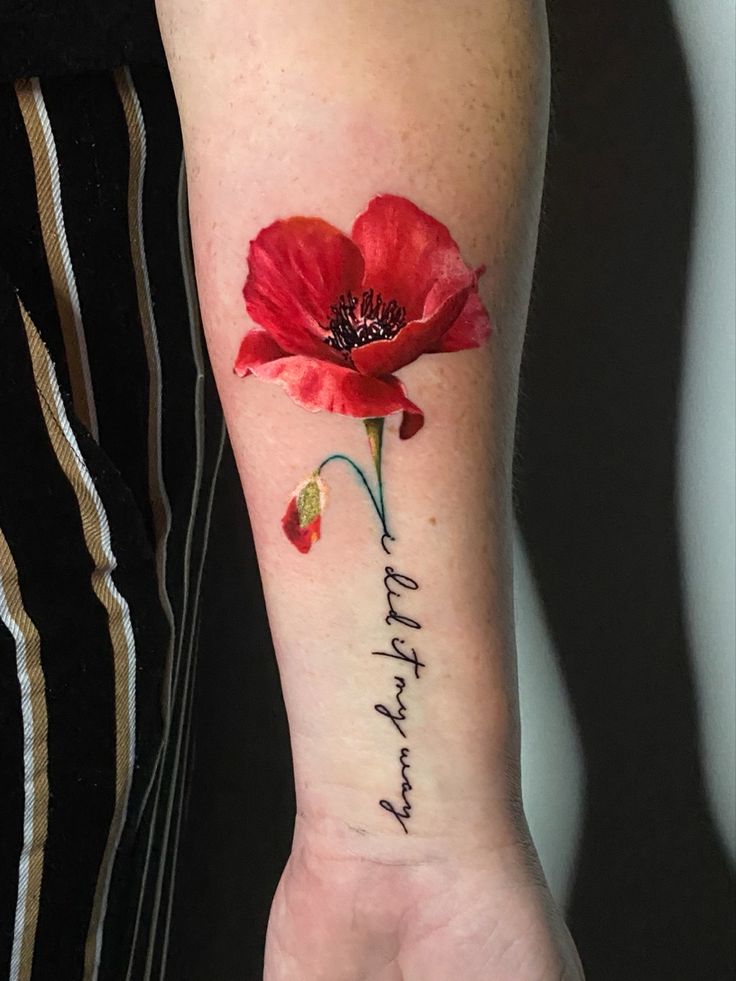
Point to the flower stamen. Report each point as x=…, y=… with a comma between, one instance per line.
x=355, y=323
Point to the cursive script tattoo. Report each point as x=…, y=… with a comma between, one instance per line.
x=402, y=814
x=396, y=652
x=400, y=714
x=391, y=580
x=398, y=586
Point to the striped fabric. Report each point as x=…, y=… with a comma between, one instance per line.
x=110, y=442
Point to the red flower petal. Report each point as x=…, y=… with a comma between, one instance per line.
x=471, y=329
x=406, y=253
x=257, y=347
x=296, y=270
x=411, y=423
x=418, y=337
x=301, y=536
x=320, y=385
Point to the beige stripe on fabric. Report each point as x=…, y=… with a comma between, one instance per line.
x=35, y=763
x=160, y=507
x=134, y=120
x=48, y=195
x=97, y=539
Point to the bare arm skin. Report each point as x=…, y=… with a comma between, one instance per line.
x=411, y=858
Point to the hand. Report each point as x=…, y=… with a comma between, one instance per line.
x=468, y=913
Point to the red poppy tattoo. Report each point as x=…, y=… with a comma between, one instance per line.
x=339, y=315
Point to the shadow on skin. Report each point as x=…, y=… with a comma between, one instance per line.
x=653, y=896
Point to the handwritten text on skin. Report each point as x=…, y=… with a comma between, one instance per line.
x=396, y=712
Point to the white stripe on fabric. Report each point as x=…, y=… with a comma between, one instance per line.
x=155, y=376
x=107, y=570
x=196, y=342
x=155, y=373
x=195, y=334
x=154, y=358
x=71, y=282
x=190, y=655
x=28, y=779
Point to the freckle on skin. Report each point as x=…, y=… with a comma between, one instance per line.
x=433, y=520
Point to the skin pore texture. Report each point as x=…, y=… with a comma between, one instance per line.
x=411, y=859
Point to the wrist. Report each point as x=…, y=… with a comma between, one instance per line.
x=449, y=833
x=404, y=874
x=460, y=790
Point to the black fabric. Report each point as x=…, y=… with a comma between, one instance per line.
x=128, y=278
x=60, y=37
x=92, y=146
x=40, y=519
x=21, y=245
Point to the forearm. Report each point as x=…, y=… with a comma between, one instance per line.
x=314, y=109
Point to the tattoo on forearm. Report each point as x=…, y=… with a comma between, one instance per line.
x=396, y=584
x=337, y=316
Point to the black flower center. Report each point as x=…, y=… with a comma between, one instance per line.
x=357, y=322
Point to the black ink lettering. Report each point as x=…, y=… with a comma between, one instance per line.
x=396, y=585
x=402, y=655
x=403, y=814
x=400, y=579
x=400, y=715
x=391, y=579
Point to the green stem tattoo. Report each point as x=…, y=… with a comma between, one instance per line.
x=374, y=430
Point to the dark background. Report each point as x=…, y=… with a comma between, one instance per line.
x=653, y=898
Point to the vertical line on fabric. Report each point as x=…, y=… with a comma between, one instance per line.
x=195, y=328
x=97, y=537
x=160, y=506
x=35, y=763
x=53, y=231
x=190, y=655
